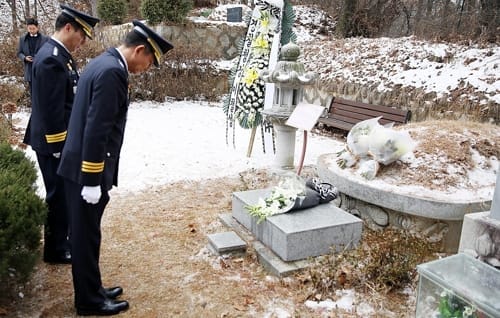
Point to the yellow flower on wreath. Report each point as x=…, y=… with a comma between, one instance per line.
x=251, y=75
x=265, y=20
x=261, y=42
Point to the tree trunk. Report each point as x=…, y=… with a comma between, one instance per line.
x=488, y=12
x=470, y=6
x=489, y=17
x=27, y=11
x=93, y=7
x=445, y=17
x=429, y=7
x=420, y=9
x=462, y=6
x=346, y=16
x=13, y=11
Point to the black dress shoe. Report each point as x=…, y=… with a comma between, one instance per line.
x=113, y=292
x=108, y=308
x=63, y=258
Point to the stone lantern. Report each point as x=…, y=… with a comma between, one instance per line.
x=289, y=78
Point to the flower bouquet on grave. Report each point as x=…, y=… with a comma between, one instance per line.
x=451, y=306
x=291, y=194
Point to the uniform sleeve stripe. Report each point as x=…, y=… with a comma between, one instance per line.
x=56, y=137
x=92, y=167
x=93, y=164
x=92, y=170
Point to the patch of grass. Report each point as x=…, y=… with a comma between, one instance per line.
x=384, y=261
x=206, y=12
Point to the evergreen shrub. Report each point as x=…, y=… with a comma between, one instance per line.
x=22, y=214
x=165, y=10
x=5, y=130
x=112, y=11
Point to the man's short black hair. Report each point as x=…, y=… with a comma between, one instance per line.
x=31, y=21
x=62, y=20
x=133, y=39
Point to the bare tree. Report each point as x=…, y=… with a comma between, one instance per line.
x=489, y=16
x=345, y=26
x=93, y=6
x=13, y=9
x=445, y=14
x=27, y=8
x=445, y=19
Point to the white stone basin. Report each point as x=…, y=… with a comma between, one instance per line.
x=414, y=200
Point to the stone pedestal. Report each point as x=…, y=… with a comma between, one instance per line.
x=299, y=234
x=285, y=146
x=495, y=203
x=481, y=232
x=481, y=237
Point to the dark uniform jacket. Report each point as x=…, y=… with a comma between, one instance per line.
x=24, y=50
x=95, y=131
x=55, y=76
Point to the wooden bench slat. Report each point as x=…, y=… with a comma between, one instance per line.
x=355, y=114
x=353, y=120
x=378, y=108
x=344, y=114
x=336, y=123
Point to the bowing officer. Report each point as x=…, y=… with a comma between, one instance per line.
x=89, y=161
x=54, y=79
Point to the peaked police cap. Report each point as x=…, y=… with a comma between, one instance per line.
x=160, y=45
x=85, y=21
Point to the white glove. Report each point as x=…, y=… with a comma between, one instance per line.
x=57, y=155
x=91, y=194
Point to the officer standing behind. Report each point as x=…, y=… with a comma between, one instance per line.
x=29, y=44
x=89, y=161
x=54, y=79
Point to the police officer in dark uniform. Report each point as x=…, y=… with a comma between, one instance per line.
x=89, y=161
x=29, y=44
x=54, y=79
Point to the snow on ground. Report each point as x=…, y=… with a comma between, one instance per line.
x=387, y=63
x=176, y=141
x=390, y=62
x=186, y=141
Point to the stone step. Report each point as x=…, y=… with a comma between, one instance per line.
x=226, y=243
x=269, y=261
x=299, y=234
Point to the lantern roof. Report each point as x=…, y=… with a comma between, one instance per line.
x=288, y=70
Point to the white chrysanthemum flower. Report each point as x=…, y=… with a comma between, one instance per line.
x=275, y=206
x=468, y=311
x=261, y=203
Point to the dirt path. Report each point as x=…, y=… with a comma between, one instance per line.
x=154, y=247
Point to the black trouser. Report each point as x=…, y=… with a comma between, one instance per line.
x=86, y=243
x=56, y=229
